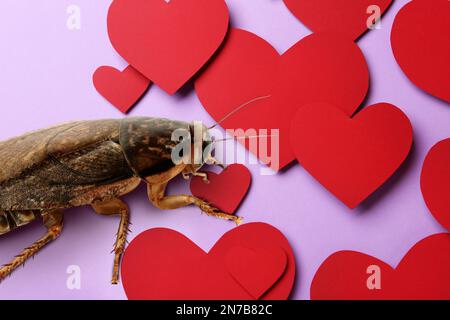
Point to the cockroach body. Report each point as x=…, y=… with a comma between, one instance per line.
x=91, y=163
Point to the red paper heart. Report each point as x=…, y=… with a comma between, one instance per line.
x=164, y=264
x=121, y=89
x=168, y=42
x=226, y=190
x=251, y=270
x=420, y=42
x=320, y=67
x=421, y=274
x=435, y=182
x=351, y=157
x=349, y=18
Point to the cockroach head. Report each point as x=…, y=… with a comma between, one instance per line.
x=201, y=145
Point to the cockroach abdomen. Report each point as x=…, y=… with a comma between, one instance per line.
x=22, y=218
x=4, y=223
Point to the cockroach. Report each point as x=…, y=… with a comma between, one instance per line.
x=92, y=163
x=95, y=163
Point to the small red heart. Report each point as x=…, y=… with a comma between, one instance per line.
x=271, y=264
x=164, y=264
x=121, y=89
x=351, y=157
x=226, y=190
x=420, y=42
x=349, y=18
x=168, y=42
x=435, y=182
x=422, y=274
x=320, y=67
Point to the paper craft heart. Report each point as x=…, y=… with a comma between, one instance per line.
x=320, y=67
x=251, y=261
x=226, y=190
x=168, y=42
x=349, y=18
x=121, y=89
x=435, y=182
x=422, y=274
x=250, y=268
x=419, y=40
x=351, y=157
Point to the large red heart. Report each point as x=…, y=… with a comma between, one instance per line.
x=164, y=264
x=435, y=182
x=420, y=42
x=320, y=67
x=349, y=18
x=351, y=157
x=168, y=42
x=422, y=274
x=225, y=190
x=121, y=89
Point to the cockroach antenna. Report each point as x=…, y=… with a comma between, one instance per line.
x=238, y=109
x=247, y=137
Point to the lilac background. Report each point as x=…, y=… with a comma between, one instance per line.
x=45, y=78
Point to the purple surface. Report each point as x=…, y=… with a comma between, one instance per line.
x=45, y=78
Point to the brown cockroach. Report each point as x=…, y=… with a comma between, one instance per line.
x=92, y=163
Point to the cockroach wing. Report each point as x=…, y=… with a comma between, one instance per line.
x=29, y=150
x=67, y=180
x=76, y=160
x=91, y=152
x=99, y=164
x=23, y=152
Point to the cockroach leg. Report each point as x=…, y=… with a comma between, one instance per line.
x=53, y=221
x=213, y=161
x=203, y=175
x=116, y=207
x=156, y=194
x=212, y=211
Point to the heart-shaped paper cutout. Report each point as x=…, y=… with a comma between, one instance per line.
x=121, y=89
x=351, y=157
x=226, y=190
x=164, y=264
x=421, y=274
x=320, y=67
x=350, y=18
x=420, y=42
x=168, y=42
x=435, y=182
x=256, y=270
